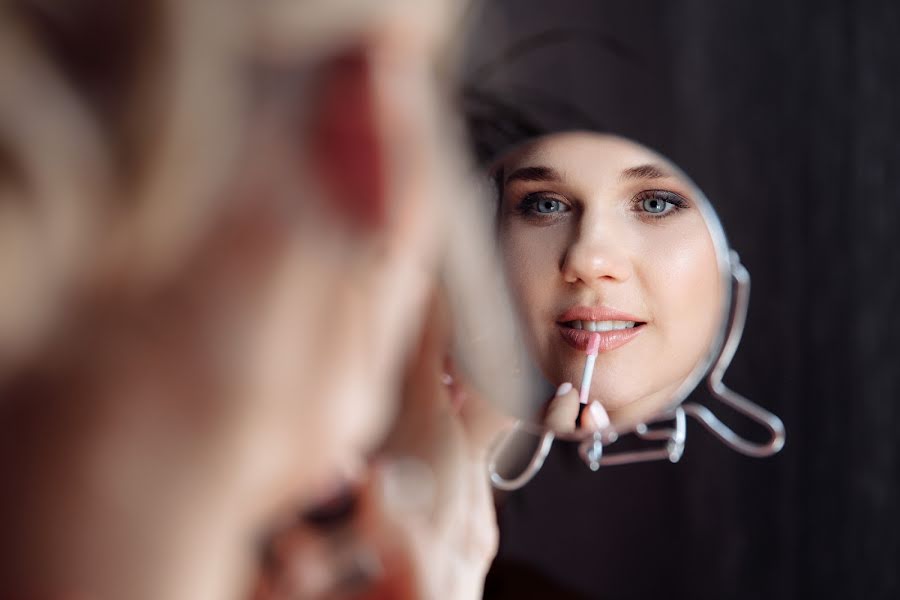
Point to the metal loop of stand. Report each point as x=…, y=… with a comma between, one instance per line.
x=534, y=465
x=720, y=391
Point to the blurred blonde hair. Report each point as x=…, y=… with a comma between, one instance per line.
x=110, y=149
x=117, y=124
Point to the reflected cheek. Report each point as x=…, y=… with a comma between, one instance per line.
x=532, y=268
x=683, y=280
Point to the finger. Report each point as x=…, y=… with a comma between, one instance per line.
x=483, y=532
x=396, y=509
x=563, y=409
x=595, y=418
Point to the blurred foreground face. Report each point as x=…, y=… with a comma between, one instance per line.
x=222, y=321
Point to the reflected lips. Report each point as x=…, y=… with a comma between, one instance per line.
x=609, y=340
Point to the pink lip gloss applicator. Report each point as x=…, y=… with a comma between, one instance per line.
x=592, y=350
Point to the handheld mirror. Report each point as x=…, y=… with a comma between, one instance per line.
x=627, y=296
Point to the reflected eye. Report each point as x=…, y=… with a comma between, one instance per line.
x=543, y=205
x=548, y=205
x=654, y=205
x=658, y=203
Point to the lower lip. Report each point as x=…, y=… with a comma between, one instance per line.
x=609, y=340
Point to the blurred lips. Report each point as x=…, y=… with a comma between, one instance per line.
x=614, y=327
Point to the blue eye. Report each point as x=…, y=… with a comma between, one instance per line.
x=548, y=205
x=543, y=205
x=658, y=203
x=655, y=205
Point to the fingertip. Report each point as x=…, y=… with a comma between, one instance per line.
x=562, y=412
x=563, y=389
x=597, y=416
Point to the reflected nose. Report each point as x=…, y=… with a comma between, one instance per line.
x=595, y=257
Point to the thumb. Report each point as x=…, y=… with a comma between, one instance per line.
x=562, y=412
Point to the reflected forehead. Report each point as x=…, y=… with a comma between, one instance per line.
x=646, y=171
x=577, y=152
x=585, y=156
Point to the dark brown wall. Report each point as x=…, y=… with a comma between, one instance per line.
x=788, y=115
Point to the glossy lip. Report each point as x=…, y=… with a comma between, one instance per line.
x=599, y=313
x=609, y=340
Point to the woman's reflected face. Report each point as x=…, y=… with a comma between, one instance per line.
x=601, y=234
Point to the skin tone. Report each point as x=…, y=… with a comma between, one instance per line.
x=172, y=424
x=423, y=522
x=598, y=222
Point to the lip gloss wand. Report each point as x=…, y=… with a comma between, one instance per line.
x=592, y=350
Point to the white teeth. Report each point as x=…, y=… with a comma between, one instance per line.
x=602, y=325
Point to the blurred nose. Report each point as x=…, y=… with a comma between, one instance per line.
x=596, y=255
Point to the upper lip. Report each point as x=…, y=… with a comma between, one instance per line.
x=597, y=313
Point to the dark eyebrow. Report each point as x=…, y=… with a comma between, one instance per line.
x=534, y=174
x=647, y=171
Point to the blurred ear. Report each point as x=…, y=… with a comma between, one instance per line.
x=346, y=145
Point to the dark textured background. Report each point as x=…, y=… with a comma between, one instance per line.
x=788, y=116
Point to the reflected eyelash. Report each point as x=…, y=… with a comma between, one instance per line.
x=529, y=201
x=677, y=201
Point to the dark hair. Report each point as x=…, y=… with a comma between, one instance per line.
x=498, y=120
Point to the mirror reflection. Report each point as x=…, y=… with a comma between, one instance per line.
x=617, y=280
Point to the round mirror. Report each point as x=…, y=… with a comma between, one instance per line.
x=620, y=274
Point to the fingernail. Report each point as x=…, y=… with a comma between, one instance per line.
x=598, y=415
x=447, y=379
x=564, y=389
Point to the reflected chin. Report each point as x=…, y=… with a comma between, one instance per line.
x=629, y=412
